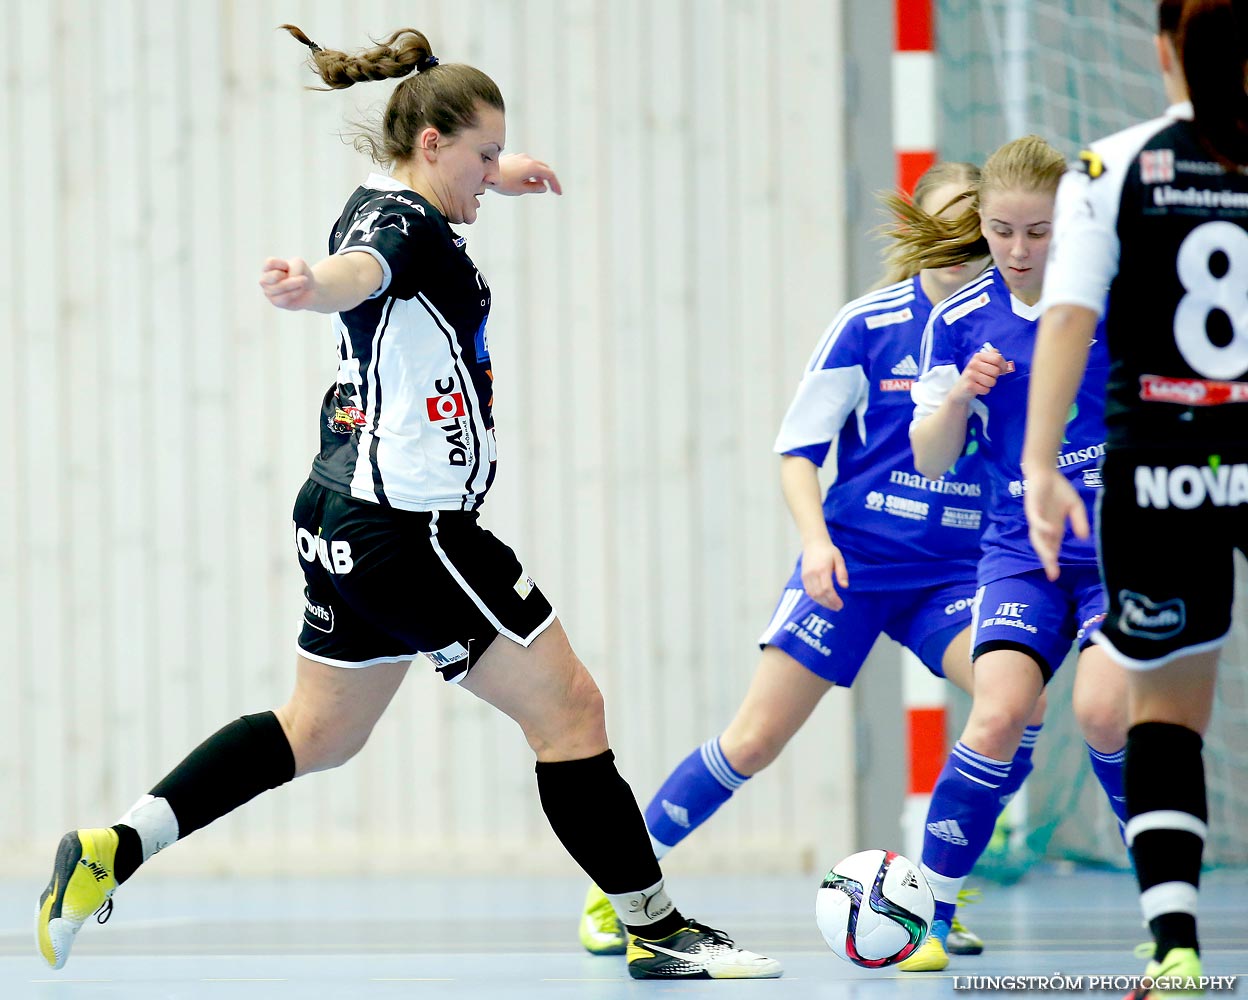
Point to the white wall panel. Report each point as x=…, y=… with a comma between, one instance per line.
x=648, y=328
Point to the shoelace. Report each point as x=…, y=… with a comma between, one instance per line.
x=1146, y=949
x=966, y=897
x=105, y=911
x=716, y=936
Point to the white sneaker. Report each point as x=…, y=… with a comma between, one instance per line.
x=697, y=952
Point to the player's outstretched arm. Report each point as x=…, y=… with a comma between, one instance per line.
x=519, y=173
x=1057, y=367
x=336, y=284
x=823, y=566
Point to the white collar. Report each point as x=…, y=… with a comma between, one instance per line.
x=384, y=182
x=1183, y=109
x=1022, y=309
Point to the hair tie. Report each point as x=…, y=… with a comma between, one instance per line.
x=426, y=64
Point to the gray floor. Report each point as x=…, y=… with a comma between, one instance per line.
x=480, y=938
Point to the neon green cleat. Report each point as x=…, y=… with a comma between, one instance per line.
x=962, y=940
x=931, y=956
x=1179, y=969
x=601, y=930
x=82, y=884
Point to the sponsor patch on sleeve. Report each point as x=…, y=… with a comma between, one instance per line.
x=1089, y=163
x=889, y=318
x=951, y=316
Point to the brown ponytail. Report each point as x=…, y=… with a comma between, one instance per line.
x=923, y=239
x=1213, y=44
x=899, y=262
x=440, y=95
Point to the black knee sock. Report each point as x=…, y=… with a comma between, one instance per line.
x=1167, y=814
x=595, y=816
x=233, y=766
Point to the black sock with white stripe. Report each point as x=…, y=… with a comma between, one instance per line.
x=595, y=816
x=1166, y=827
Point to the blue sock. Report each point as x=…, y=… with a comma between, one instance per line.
x=960, y=819
x=699, y=785
x=1108, y=770
x=1022, y=765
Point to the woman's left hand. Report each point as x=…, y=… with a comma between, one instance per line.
x=519, y=173
x=1049, y=501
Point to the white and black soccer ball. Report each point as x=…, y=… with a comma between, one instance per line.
x=874, y=908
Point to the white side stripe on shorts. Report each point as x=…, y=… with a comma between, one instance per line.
x=787, y=603
x=1102, y=640
x=472, y=594
x=976, y=602
x=1165, y=819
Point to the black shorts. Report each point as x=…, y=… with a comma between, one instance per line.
x=384, y=585
x=1168, y=524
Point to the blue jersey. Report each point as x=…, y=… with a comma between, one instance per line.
x=893, y=526
x=985, y=315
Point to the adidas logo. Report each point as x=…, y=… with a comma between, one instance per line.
x=909, y=881
x=95, y=868
x=948, y=831
x=906, y=367
x=677, y=814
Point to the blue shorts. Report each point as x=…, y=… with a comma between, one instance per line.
x=835, y=644
x=1028, y=613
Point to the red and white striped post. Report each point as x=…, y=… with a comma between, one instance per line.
x=914, y=145
x=924, y=698
x=914, y=89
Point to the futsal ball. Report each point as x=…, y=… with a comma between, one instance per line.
x=874, y=908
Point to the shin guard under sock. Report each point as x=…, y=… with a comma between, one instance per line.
x=1166, y=829
x=249, y=756
x=593, y=813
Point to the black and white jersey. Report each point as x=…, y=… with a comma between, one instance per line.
x=1149, y=215
x=409, y=422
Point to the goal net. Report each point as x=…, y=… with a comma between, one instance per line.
x=1073, y=71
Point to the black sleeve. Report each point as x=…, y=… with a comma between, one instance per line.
x=400, y=237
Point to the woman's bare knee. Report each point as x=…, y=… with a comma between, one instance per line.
x=754, y=739
x=576, y=727
x=750, y=751
x=332, y=710
x=995, y=730
x=1103, y=722
x=1008, y=686
x=780, y=699
x=1099, y=701
x=318, y=744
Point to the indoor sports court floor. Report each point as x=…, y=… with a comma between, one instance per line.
x=516, y=938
